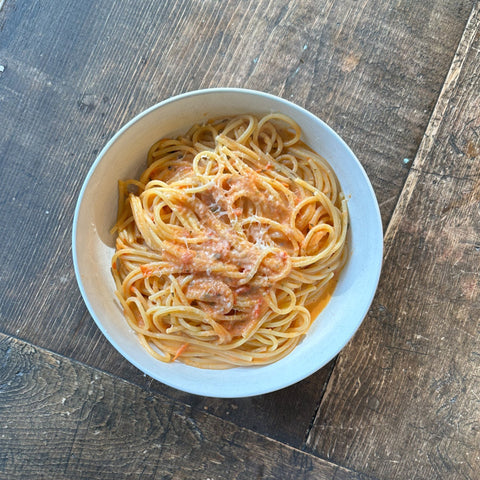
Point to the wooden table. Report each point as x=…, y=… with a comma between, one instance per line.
x=400, y=81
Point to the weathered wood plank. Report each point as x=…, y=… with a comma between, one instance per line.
x=404, y=398
x=58, y=154
x=75, y=71
x=109, y=429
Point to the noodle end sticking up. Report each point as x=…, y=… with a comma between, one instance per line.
x=232, y=236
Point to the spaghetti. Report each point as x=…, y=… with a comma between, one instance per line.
x=227, y=239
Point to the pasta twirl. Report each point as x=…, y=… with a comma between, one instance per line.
x=226, y=241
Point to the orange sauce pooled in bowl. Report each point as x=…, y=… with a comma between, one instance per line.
x=316, y=307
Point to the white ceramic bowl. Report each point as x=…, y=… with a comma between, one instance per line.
x=124, y=157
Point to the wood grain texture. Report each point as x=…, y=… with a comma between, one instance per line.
x=60, y=419
x=404, y=398
x=74, y=72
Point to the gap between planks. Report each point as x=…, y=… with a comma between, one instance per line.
x=471, y=28
x=317, y=406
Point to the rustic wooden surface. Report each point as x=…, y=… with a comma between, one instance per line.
x=393, y=78
x=410, y=379
x=110, y=429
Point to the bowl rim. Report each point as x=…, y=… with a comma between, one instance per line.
x=248, y=390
